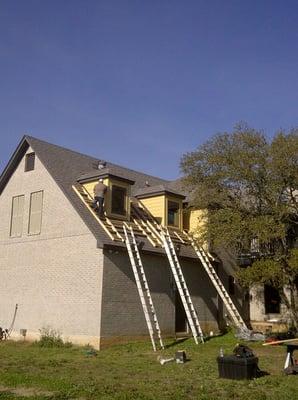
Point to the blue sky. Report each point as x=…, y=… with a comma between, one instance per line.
x=140, y=82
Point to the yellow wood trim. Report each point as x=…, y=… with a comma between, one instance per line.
x=126, y=225
x=149, y=224
x=143, y=203
x=94, y=214
x=179, y=237
x=145, y=225
x=109, y=182
x=107, y=219
x=151, y=218
x=155, y=230
x=87, y=193
x=145, y=233
x=114, y=229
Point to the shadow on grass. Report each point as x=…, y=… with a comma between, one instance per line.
x=179, y=340
x=176, y=342
x=261, y=373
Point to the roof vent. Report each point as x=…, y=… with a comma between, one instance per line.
x=101, y=164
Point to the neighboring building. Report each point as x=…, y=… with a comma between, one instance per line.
x=69, y=270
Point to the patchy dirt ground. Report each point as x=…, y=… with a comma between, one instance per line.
x=26, y=391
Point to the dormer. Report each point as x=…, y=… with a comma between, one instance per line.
x=117, y=197
x=164, y=204
x=194, y=220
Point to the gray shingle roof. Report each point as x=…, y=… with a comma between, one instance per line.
x=111, y=171
x=152, y=190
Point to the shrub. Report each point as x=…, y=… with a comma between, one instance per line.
x=50, y=337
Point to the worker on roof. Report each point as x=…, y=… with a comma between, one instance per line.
x=99, y=191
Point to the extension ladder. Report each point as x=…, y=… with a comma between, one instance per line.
x=230, y=306
x=190, y=311
x=142, y=286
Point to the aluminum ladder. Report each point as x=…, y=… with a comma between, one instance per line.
x=142, y=286
x=230, y=306
x=190, y=311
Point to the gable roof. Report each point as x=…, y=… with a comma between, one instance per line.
x=66, y=167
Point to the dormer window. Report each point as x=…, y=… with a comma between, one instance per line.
x=29, y=162
x=173, y=213
x=119, y=196
x=163, y=203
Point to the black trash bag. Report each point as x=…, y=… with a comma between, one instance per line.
x=243, y=351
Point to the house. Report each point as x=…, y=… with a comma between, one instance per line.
x=68, y=269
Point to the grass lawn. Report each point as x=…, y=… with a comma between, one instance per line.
x=131, y=371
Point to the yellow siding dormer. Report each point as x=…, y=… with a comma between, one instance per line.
x=88, y=186
x=166, y=207
x=156, y=206
x=117, y=196
x=194, y=221
x=197, y=221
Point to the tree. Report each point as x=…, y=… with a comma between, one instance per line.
x=249, y=186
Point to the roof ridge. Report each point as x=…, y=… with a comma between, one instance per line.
x=28, y=137
x=58, y=146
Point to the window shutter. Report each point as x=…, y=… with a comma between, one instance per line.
x=16, y=226
x=35, y=213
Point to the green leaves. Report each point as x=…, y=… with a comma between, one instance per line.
x=246, y=183
x=249, y=185
x=265, y=271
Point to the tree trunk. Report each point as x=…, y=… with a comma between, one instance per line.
x=290, y=304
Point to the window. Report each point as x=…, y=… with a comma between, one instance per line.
x=29, y=162
x=255, y=245
x=35, y=213
x=17, y=211
x=118, y=200
x=173, y=213
x=272, y=300
x=231, y=288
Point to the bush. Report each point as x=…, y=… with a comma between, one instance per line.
x=50, y=337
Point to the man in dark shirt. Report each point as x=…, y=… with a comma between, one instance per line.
x=99, y=192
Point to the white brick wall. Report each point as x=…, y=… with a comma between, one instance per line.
x=257, y=306
x=55, y=277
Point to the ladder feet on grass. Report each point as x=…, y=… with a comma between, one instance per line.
x=190, y=311
x=222, y=292
x=142, y=286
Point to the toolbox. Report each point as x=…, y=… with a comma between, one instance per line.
x=234, y=367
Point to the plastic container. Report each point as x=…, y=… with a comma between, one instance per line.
x=233, y=367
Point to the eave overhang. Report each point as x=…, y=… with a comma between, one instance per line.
x=13, y=163
x=159, y=193
x=85, y=178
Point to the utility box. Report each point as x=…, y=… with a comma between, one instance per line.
x=234, y=367
x=180, y=357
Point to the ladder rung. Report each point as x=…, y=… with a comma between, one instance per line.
x=231, y=308
x=142, y=286
x=182, y=287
